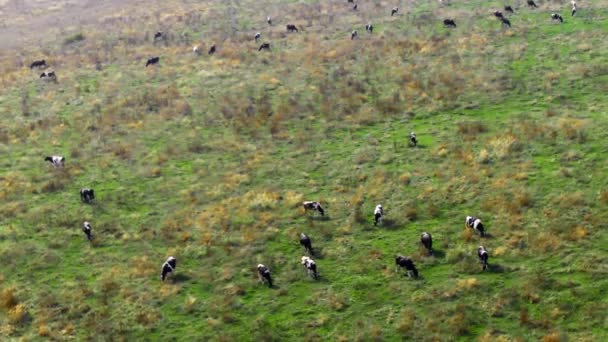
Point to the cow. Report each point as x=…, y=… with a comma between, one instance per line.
x=265, y=46
x=483, y=257
x=369, y=28
x=311, y=205
x=378, y=214
x=168, y=267
x=509, y=9
x=158, y=35
x=556, y=16
x=257, y=36
x=475, y=224
x=310, y=266
x=38, y=64
x=86, y=228
x=394, y=11
x=87, y=195
x=291, y=28
x=449, y=23
x=196, y=50
x=56, y=161
x=212, y=50
x=48, y=76
x=152, y=61
x=427, y=241
x=408, y=264
x=353, y=34
x=306, y=243
x=269, y=20
x=264, y=274
x=498, y=14
x=531, y=3
x=505, y=22
x=573, y=7
x=413, y=139
x=355, y=7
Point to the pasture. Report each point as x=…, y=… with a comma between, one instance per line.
x=208, y=158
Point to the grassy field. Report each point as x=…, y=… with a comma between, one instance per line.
x=208, y=158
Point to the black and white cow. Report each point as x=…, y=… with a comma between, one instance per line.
x=557, y=17
x=427, y=241
x=212, y=50
x=310, y=266
x=509, y=9
x=56, y=161
x=573, y=7
x=408, y=264
x=168, y=268
x=257, y=36
x=449, y=23
x=158, y=35
x=264, y=46
x=475, y=224
x=483, y=257
x=369, y=28
x=269, y=20
x=353, y=34
x=306, y=243
x=531, y=3
x=315, y=206
x=505, y=22
x=264, y=274
x=86, y=228
x=378, y=214
x=196, y=50
x=291, y=28
x=394, y=11
x=152, y=61
x=38, y=64
x=87, y=195
x=48, y=76
x=413, y=139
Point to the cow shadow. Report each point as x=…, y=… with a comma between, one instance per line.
x=496, y=268
x=389, y=224
x=181, y=278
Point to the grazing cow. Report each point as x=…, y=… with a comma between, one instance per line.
x=509, y=9
x=306, y=243
x=394, y=11
x=573, y=7
x=408, y=264
x=86, y=228
x=196, y=50
x=265, y=46
x=475, y=224
x=355, y=7
x=483, y=256
x=353, y=34
x=505, y=22
x=153, y=60
x=413, y=139
x=48, y=76
x=310, y=266
x=531, y=3
x=269, y=20
x=158, y=35
x=498, y=14
x=427, y=241
x=264, y=274
x=168, y=267
x=350, y=1
x=212, y=50
x=257, y=36
x=311, y=205
x=291, y=28
x=38, y=64
x=87, y=195
x=556, y=16
x=369, y=28
x=378, y=214
x=449, y=23
x=56, y=161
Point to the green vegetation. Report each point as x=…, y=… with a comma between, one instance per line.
x=208, y=158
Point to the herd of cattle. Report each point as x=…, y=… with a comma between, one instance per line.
x=49, y=75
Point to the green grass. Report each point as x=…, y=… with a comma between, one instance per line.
x=207, y=159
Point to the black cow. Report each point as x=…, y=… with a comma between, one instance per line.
x=86, y=228
x=483, y=257
x=413, y=139
x=264, y=274
x=498, y=14
x=310, y=266
x=168, y=267
x=408, y=264
x=355, y=7
x=394, y=11
x=556, y=16
x=531, y=3
x=38, y=64
x=427, y=241
x=56, y=161
x=291, y=28
x=311, y=205
x=212, y=50
x=449, y=23
x=265, y=46
x=158, y=35
x=509, y=9
x=87, y=195
x=369, y=28
x=353, y=34
x=306, y=243
x=505, y=22
x=153, y=60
